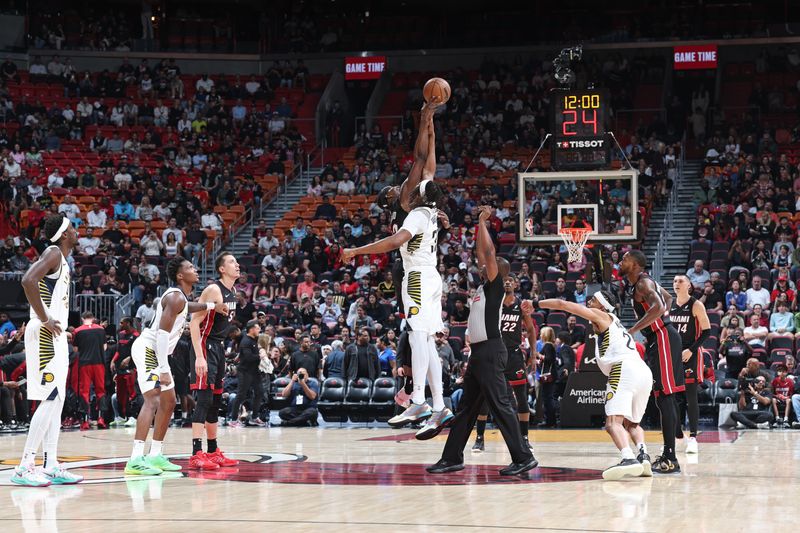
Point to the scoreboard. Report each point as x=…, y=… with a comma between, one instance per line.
x=579, y=127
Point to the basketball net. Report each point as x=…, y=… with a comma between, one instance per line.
x=575, y=240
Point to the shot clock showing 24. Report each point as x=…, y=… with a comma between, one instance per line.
x=579, y=120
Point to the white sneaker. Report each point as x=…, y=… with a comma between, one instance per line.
x=435, y=424
x=130, y=423
x=58, y=475
x=739, y=425
x=691, y=445
x=763, y=425
x=414, y=413
x=29, y=477
x=117, y=422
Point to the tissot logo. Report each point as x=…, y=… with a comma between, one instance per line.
x=596, y=143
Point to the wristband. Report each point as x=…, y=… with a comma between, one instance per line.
x=210, y=306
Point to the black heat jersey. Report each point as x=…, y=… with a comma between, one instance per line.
x=398, y=217
x=215, y=327
x=640, y=309
x=511, y=326
x=684, y=321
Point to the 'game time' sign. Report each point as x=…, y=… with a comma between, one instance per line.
x=364, y=68
x=693, y=57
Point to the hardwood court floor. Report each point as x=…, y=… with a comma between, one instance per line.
x=373, y=480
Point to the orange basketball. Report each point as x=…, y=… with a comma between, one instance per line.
x=436, y=87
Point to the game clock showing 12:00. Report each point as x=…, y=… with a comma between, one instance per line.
x=579, y=129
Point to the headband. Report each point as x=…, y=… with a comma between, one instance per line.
x=602, y=299
x=61, y=230
x=422, y=186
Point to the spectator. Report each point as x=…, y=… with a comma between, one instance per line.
x=734, y=297
x=305, y=357
x=273, y=260
x=89, y=244
x=172, y=229
x=577, y=334
x=757, y=294
x=19, y=262
x=698, y=275
x=783, y=390
x=302, y=392
x=306, y=287
x=755, y=405
x=755, y=334
x=123, y=210
x=735, y=351
x=6, y=326
x=361, y=358
x=387, y=356
x=334, y=363
x=781, y=324
x=146, y=312
x=211, y=220
x=195, y=242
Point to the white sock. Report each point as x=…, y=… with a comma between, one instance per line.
x=138, y=449
x=419, y=364
x=435, y=375
x=155, y=448
x=40, y=425
x=642, y=447
x=627, y=453
x=50, y=441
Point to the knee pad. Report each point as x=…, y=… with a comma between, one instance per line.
x=203, y=399
x=213, y=413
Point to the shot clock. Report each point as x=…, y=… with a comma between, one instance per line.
x=579, y=126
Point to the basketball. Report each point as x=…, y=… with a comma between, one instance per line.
x=436, y=87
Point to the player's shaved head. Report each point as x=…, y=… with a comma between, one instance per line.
x=638, y=257
x=503, y=267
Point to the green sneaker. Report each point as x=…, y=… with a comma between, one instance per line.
x=141, y=467
x=162, y=463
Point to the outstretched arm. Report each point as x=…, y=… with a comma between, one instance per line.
x=596, y=316
x=484, y=249
x=429, y=169
x=421, y=154
x=655, y=303
x=382, y=246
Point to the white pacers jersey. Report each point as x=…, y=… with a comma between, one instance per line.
x=615, y=345
x=148, y=335
x=54, y=290
x=47, y=356
x=420, y=250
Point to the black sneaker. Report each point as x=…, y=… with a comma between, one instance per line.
x=662, y=465
x=626, y=467
x=444, y=466
x=647, y=467
x=527, y=442
x=478, y=447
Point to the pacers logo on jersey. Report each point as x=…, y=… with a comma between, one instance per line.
x=413, y=311
x=152, y=377
x=48, y=377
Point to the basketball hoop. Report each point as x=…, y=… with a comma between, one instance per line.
x=575, y=240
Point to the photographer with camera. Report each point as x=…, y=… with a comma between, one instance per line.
x=302, y=392
x=735, y=351
x=755, y=404
x=749, y=373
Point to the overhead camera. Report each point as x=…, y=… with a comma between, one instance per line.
x=562, y=64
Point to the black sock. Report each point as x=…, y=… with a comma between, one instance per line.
x=692, y=434
x=666, y=405
x=481, y=426
x=212, y=445
x=523, y=428
x=409, y=386
x=197, y=445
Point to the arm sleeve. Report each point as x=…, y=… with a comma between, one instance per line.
x=704, y=334
x=162, y=346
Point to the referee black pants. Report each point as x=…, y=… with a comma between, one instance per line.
x=485, y=380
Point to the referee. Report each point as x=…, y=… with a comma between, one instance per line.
x=484, y=378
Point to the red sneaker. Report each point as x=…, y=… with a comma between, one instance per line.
x=202, y=461
x=101, y=424
x=218, y=458
x=85, y=425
